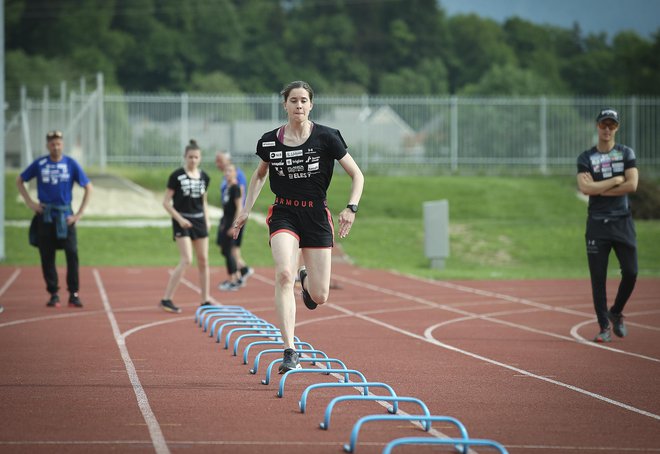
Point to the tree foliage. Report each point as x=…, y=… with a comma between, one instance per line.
x=397, y=47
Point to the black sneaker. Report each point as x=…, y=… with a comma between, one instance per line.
x=206, y=303
x=307, y=299
x=74, y=301
x=290, y=361
x=54, y=300
x=617, y=324
x=168, y=306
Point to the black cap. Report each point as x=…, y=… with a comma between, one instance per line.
x=608, y=113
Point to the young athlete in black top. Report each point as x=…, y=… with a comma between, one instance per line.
x=298, y=158
x=186, y=201
x=607, y=173
x=232, y=200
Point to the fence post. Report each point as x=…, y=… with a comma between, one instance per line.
x=184, y=121
x=365, y=134
x=101, y=120
x=543, y=158
x=454, y=134
x=26, y=155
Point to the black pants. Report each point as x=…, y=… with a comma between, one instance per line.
x=227, y=245
x=48, y=246
x=602, y=236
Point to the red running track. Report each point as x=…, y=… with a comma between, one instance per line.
x=507, y=358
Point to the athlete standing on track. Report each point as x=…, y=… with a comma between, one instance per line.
x=222, y=161
x=54, y=221
x=186, y=201
x=298, y=159
x=607, y=173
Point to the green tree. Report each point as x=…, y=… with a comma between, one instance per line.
x=478, y=44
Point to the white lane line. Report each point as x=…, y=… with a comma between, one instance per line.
x=430, y=339
x=157, y=438
x=533, y=304
x=10, y=281
x=125, y=334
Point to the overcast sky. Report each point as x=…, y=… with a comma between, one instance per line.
x=610, y=16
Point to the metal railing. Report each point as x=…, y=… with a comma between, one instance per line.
x=390, y=135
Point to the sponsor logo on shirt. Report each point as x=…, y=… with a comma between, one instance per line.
x=294, y=153
x=268, y=144
x=313, y=167
x=275, y=155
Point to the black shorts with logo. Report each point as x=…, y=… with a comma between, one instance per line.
x=199, y=228
x=309, y=221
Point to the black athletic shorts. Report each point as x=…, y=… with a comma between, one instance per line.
x=309, y=221
x=198, y=230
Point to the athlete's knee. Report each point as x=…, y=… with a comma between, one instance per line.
x=284, y=278
x=320, y=296
x=185, y=261
x=202, y=261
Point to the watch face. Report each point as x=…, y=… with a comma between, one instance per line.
x=353, y=208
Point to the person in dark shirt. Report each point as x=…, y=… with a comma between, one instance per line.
x=298, y=159
x=232, y=201
x=186, y=201
x=54, y=220
x=607, y=173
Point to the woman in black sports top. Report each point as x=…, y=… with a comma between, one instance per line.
x=186, y=202
x=298, y=159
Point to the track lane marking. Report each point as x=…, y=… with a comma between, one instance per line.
x=540, y=306
x=155, y=432
x=430, y=339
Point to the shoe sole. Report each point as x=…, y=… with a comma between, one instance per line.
x=53, y=306
x=307, y=299
x=167, y=309
x=283, y=370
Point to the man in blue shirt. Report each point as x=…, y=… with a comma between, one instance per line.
x=54, y=221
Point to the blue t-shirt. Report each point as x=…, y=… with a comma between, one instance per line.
x=242, y=182
x=55, y=179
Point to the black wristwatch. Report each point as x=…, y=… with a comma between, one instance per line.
x=352, y=207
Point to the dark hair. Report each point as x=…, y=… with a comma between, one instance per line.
x=192, y=145
x=50, y=135
x=297, y=84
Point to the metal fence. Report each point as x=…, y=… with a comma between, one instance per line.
x=388, y=135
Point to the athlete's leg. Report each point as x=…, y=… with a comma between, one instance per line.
x=201, y=246
x=598, y=252
x=318, y=262
x=284, y=248
x=185, y=259
x=72, y=269
x=627, y=255
x=47, y=250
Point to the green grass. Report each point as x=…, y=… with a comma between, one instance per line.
x=501, y=228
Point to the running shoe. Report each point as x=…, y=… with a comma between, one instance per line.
x=617, y=324
x=168, y=306
x=246, y=272
x=604, y=336
x=307, y=299
x=54, y=300
x=206, y=303
x=74, y=301
x=290, y=361
x=229, y=286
